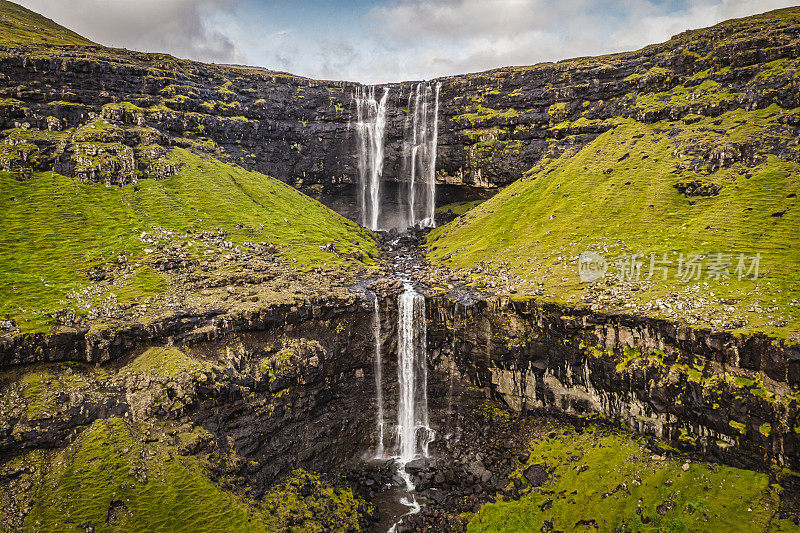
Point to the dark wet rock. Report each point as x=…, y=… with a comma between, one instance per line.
x=553, y=357
x=667, y=505
x=536, y=475
x=698, y=188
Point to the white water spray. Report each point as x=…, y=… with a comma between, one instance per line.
x=420, y=140
x=376, y=332
x=370, y=130
x=414, y=508
x=413, y=427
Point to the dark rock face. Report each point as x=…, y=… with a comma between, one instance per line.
x=493, y=126
x=726, y=397
x=183, y=327
x=536, y=475
x=310, y=409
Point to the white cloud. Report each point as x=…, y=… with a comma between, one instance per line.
x=395, y=40
x=649, y=26
x=443, y=37
x=179, y=27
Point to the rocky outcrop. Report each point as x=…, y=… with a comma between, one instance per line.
x=93, y=346
x=732, y=398
x=292, y=391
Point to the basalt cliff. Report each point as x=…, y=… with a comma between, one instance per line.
x=494, y=126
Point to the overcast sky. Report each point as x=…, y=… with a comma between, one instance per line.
x=376, y=41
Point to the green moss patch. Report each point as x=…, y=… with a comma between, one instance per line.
x=457, y=208
x=306, y=503
x=165, y=361
x=104, y=482
x=607, y=480
x=110, y=481
x=484, y=114
x=20, y=26
x=42, y=391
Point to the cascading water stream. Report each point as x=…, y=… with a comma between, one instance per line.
x=417, y=197
x=420, y=139
x=429, y=220
x=414, y=433
x=376, y=332
x=370, y=133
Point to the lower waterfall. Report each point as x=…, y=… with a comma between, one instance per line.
x=414, y=433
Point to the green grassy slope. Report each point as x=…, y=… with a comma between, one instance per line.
x=618, y=196
x=56, y=228
x=607, y=480
x=110, y=481
x=20, y=26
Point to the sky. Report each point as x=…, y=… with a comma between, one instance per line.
x=378, y=41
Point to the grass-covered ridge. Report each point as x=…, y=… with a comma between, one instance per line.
x=626, y=193
x=606, y=480
x=55, y=229
x=20, y=26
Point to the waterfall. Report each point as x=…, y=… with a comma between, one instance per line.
x=417, y=196
x=413, y=428
x=420, y=140
x=376, y=332
x=370, y=133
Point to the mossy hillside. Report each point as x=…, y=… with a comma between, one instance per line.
x=618, y=195
x=607, y=479
x=42, y=262
x=32, y=392
x=166, y=361
x=20, y=26
x=110, y=481
x=457, y=208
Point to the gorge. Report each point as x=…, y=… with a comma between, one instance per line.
x=191, y=340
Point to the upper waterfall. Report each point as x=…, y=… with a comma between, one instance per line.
x=420, y=138
x=416, y=193
x=370, y=130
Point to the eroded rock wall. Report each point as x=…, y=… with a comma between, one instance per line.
x=732, y=398
x=282, y=391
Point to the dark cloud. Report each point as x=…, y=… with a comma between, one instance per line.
x=179, y=27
